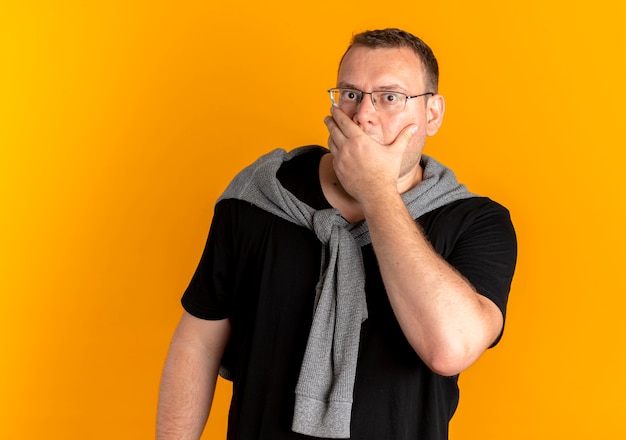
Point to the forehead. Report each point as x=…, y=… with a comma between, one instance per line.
x=367, y=69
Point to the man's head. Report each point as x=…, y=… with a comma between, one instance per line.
x=397, y=38
x=387, y=81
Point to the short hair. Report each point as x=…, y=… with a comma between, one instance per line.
x=397, y=38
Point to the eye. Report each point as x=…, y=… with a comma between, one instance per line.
x=389, y=98
x=349, y=95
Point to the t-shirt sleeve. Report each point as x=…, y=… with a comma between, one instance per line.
x=209, y=294
x=486, y=253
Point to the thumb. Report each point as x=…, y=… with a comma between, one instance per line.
x=405, y=136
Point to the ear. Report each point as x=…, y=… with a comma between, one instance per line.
x=435, y=109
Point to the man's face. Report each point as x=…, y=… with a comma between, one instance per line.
x=387, y=69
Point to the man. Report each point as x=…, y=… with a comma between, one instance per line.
x=343, y=290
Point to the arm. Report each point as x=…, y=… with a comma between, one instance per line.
x=189, y=377
x=448, y=324
x=445, y=320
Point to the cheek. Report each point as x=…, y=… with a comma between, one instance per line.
x=391, y=131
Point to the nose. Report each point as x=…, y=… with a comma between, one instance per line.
x=364, y=110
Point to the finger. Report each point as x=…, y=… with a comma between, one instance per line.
x=329, y=122
x=344, y=122
x=404, y=138
x=333, y=129
x=332, y=147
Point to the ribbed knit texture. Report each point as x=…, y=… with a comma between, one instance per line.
x=325, y=387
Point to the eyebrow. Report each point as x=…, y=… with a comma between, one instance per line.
x=385, y=88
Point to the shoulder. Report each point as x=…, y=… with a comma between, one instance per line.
x=471, y=205
x=476, y=223
x=464, y=213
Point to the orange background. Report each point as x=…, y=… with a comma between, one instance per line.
x=121, y=122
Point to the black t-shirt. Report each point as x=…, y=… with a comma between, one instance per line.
x=260, y=271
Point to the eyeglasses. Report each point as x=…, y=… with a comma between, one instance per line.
x=349, y=99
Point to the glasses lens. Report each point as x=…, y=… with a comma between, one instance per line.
x=389, y=101
x=346, y=99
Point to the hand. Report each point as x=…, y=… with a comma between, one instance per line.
x=365, y=168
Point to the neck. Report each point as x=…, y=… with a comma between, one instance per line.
x=335, y=193
x=341, y=200
x=411, y=178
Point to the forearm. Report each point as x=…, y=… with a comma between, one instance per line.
x=188, y=384
x=185, y=397
x=446, y=322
